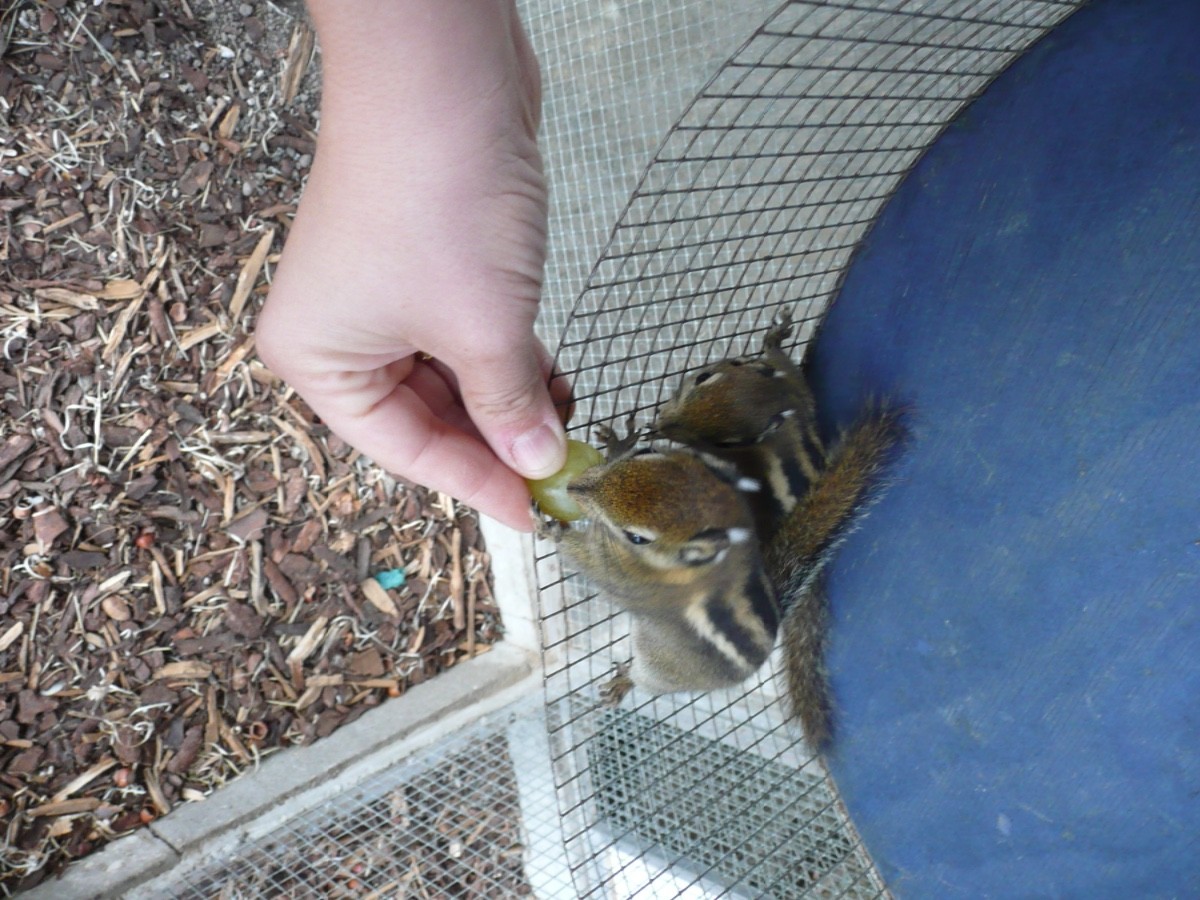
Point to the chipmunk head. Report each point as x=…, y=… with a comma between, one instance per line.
x=669, y=510
x=734, y=403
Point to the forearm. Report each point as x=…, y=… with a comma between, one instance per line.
x=441, y=97
x=431, y=62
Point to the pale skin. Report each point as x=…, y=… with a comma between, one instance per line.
x=403, y=307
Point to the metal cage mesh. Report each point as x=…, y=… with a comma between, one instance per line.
x=753, y=204
x=469, y=816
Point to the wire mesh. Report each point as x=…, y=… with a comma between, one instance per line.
x=454, y=821
x=616, y=76
x=753, y=204
x=723, y=822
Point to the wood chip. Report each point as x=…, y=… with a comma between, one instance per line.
x=205, y=595
x=114, y=582
x=48, y=524
x=122, y=289
x=64, y=807
x=249, y=275
x=229, y=736
x=157, y=797
x=314, y=455
x=117, y=336
x=212, y=725
x=240, y=437
x=115, y=608
x=190, y=339
x=84, y=779
x=324, y=681
x=279, y=583
x=378, y=597
x=73, y=299
x=308, y=643
x=229, y=122
x=456, y=581
x=62, y=223
x=156, y=584
x=385, y=683
x=249, y=526
x=14, y=448
x=235, y=357
x=308, y=698
x=184, y=669
x=299, y=54
x=11, y=635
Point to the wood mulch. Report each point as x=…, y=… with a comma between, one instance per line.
x=187, y=557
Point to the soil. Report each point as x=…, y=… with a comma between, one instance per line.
x=188, y=558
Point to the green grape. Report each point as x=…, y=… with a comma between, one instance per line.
x=551, y=493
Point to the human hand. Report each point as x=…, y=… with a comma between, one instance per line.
x=403, y=307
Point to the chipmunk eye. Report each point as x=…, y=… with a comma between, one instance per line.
x=703, y=377
x=634, y=538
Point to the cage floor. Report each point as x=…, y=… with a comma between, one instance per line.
x=476, y=815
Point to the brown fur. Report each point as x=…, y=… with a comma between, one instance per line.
x=695, y=565
x=804, y=544
x=753, y=413
x=705, y=600
x=758, y=414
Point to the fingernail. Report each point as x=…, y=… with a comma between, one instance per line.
x=538, y=452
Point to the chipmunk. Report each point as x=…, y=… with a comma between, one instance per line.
x=710, y=565
x=758, y=414
x=670, y=537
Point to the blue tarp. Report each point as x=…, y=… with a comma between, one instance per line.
x=1016, y=640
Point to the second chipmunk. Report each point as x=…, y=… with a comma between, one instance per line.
x=758, y=414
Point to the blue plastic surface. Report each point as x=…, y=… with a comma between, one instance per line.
x=1016, y=641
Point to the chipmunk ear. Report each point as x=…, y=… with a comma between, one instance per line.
x=709, y=546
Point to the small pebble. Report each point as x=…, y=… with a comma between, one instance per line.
x=390, y=578
x=246, y=9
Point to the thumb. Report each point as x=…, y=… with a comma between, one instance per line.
x=510, y=404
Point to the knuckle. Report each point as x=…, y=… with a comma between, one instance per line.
x=505, y=401
x=502, y=391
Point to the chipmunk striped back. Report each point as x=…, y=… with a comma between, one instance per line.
x=756, y=413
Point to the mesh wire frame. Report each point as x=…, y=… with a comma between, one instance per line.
x=753, y=204
x=469, y=816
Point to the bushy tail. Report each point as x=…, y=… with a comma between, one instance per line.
x=804, y=631
x=834, y=503
x=806, y=541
